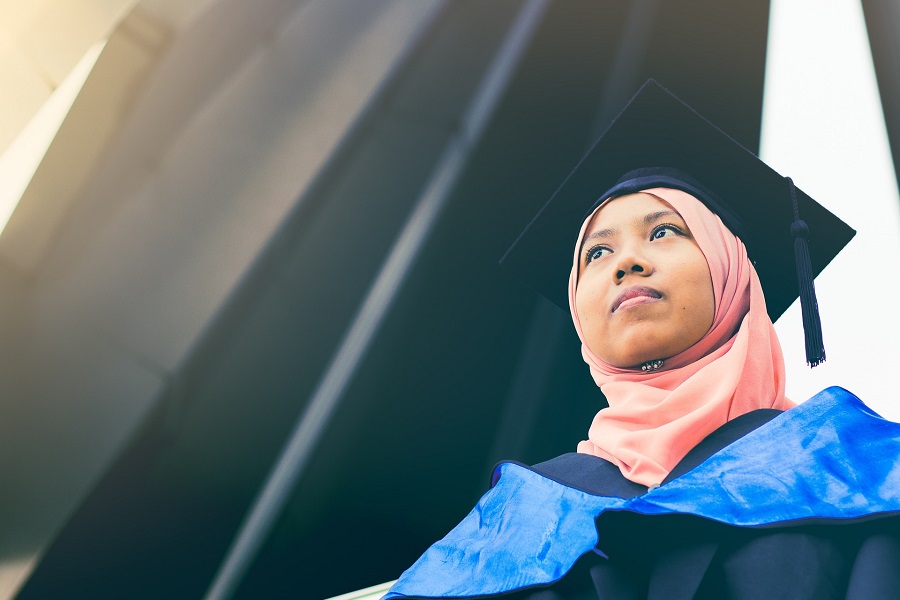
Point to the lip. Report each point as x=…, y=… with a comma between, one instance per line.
x=635, y=296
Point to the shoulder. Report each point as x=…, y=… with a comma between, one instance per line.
x=589, y=474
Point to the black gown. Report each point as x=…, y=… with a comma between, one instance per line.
x=679, y=555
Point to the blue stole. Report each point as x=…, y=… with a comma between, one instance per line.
x=829, y=458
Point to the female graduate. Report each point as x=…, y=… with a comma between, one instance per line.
x=701, y=479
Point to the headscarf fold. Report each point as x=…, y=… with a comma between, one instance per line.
x=655, y=418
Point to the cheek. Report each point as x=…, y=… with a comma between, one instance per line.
x=700, y=304
x=583, y=304
x=588, y=306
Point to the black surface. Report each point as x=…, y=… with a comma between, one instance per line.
x=406, y=454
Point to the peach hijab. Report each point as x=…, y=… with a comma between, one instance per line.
x=654, y=419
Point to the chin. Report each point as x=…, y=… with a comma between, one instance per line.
x=630, y=355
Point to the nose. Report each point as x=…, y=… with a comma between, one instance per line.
x=632, y=263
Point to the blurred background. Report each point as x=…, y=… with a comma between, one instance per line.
x=254, y=340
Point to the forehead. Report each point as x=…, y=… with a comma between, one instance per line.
x=625, y=209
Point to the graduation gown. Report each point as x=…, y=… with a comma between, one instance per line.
x=800, y=504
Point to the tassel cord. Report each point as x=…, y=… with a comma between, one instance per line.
x=809, y=306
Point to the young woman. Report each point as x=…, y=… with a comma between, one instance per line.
x=700, y=479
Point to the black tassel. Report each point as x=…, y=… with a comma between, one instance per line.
x=809, y=306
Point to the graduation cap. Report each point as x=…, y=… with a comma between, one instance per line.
x=659, y=141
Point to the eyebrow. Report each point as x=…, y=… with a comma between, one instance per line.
x=647, y=219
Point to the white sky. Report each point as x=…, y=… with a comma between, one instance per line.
x=823, y=125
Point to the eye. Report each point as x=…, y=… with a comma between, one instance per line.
x=665, y=230
x=596, y=252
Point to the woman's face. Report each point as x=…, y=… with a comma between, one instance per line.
x=644, y=291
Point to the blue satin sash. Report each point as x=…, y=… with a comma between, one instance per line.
x=829, y=458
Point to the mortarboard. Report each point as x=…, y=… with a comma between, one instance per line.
x=659, y=141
